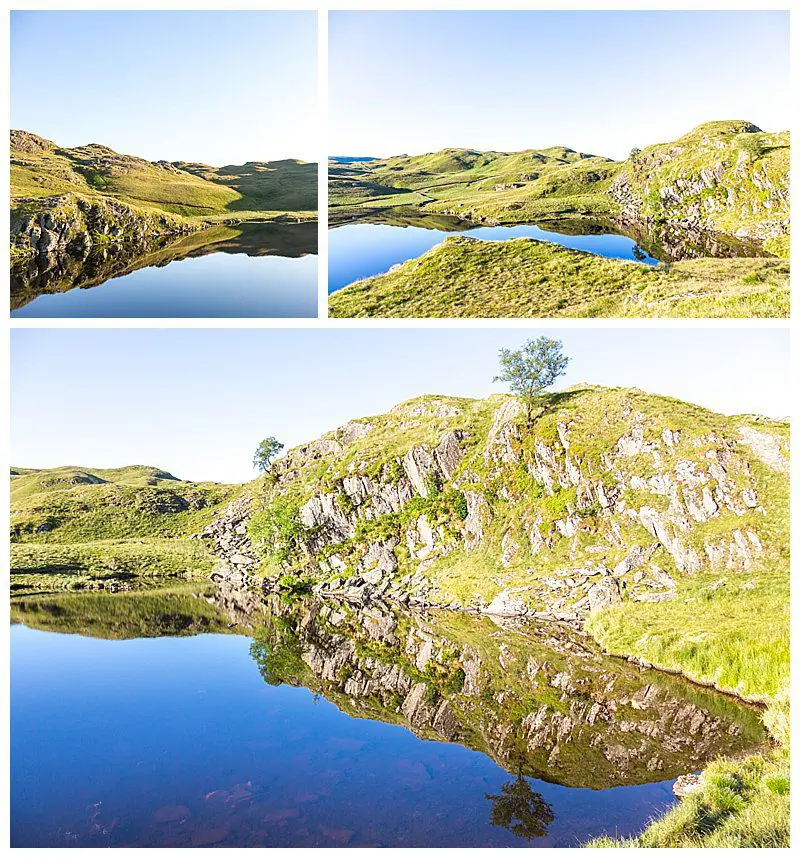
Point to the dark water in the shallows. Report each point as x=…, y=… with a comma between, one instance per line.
x=252, y=739
x=360, y=250
x=251, y=271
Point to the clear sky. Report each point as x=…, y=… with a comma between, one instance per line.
x=197, y=401
x=215, y=87
x=599, y=82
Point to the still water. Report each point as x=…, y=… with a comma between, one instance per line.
x=360, y=250
x=292, y=726
x=252, y=271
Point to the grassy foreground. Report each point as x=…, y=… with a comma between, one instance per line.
x=467, y=277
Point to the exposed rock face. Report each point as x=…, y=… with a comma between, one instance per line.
x=537, y=699
x=228, y=534
x=71, y=224
x=567, y=518
x=726, y=177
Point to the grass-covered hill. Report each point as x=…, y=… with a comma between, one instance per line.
x=105, y=194
x=614, y=508
x=73, y=528
x=722, y=190
x=496, y=186
x=526, y=278
x=727, y=176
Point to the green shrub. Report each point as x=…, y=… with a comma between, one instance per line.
x=277, y=530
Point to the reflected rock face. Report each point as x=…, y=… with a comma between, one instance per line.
x=668, y=242
x=541, y=700
x=60, y=272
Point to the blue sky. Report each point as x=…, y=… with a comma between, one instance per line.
x=216, y=87
x=600, y=82
x=197, y=401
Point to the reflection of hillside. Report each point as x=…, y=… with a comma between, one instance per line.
x=177, y=611
x=59, y=273
x=539, y=699
x=668, y=243
x=542, y=701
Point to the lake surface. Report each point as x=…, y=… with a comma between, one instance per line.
x=290, y=725
x=360, y=250
x=251, y=271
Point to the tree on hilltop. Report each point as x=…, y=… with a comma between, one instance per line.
x=529, y=370
x=266, y=451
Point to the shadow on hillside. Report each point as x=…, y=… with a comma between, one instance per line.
x=287, y=186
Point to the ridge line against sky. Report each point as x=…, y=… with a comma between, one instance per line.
x=195, y=86
x=196, y=402
x=600, y=82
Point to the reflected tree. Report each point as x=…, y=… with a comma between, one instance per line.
x=521, y=810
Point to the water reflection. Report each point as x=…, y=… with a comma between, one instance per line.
x=521, y=810
x=364, y=248
x=130, y=268
x=199, y=716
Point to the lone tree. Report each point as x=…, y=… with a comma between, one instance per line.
x=266, y=451
x=529, y=370
x=521, y=810
x=635, y=151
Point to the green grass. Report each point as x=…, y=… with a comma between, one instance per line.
x=703, y=635
x=72, y=528
x=69, y=505
x=744, y=804
x=466, y=277
x=49, y=567
x=178, y=193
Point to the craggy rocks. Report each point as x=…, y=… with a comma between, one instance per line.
x=72, y=224
x=741, y=191
x=228, y=535
x=565, y=520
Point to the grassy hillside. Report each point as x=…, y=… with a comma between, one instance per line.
x=61, y=196
x=728, y=177
x=40, y=168
x=528, y=278
x=497, y=186
x=518, y=507
x=73, y=528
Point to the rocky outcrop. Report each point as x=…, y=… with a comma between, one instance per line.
x=70, y=224
x=567, y=520
x=723, y=177
x=231, y=543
